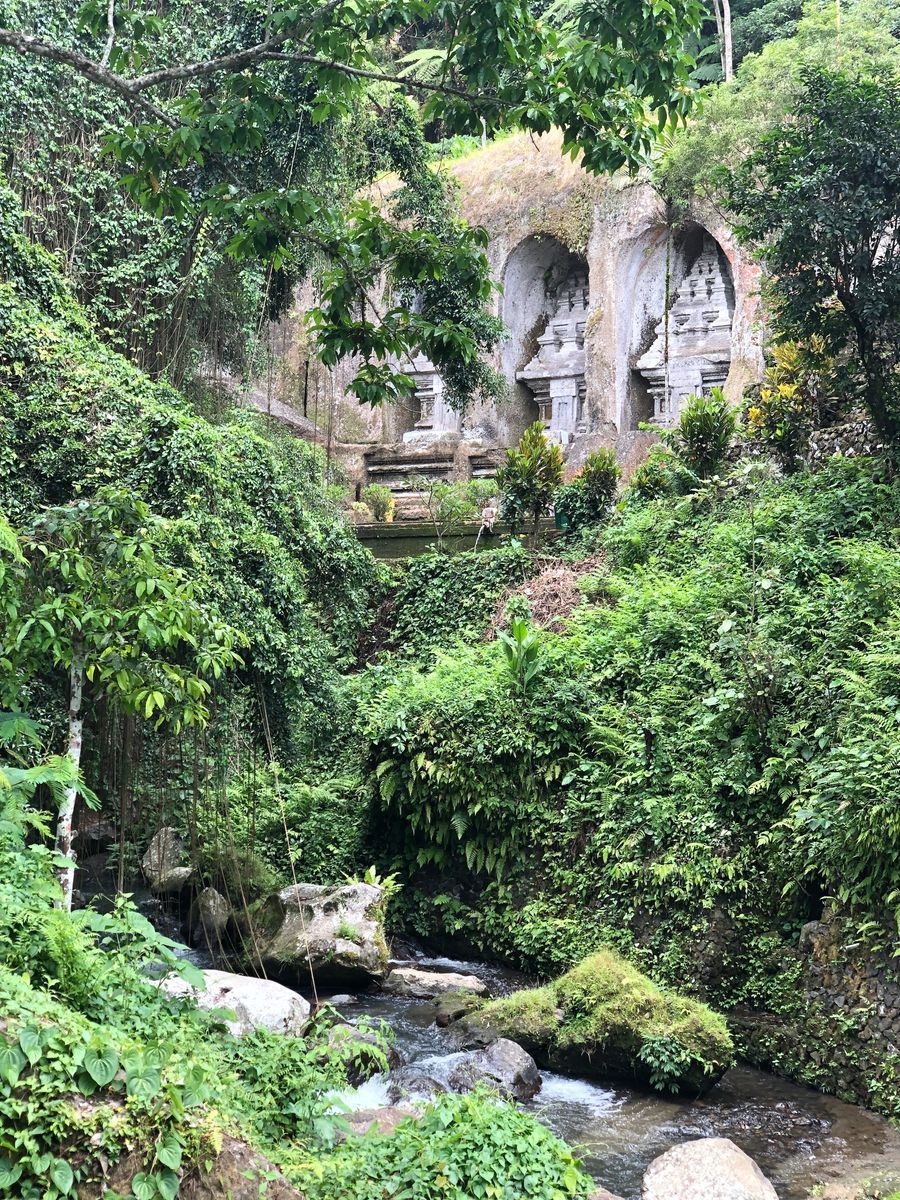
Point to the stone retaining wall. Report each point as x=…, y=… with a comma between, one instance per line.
x=854, y=438
x=843, y=1034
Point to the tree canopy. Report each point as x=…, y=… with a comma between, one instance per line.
x=610, y=77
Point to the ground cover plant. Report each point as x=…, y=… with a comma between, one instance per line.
x=705, y=736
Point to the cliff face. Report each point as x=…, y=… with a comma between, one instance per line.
x=614, y=316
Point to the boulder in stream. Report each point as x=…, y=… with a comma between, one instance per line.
x=425, y=985
x=381, y=1120
x=504, y=1065
x=451, y=1006
x=256, y=1003
x=337, y=932
x=604, y=1019
x=163, y=862
x=207, y=919
x=708, y=1169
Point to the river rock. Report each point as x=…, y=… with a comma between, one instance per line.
x=503, y=1064
x=338, y=932
x=708, y=1169
x=256, y=1003
x=602, y=1019
x=163, y=862
x=425, y=985
x=383, y=1120
x=600, y=1193
x=452, y=1006
x=208, y=917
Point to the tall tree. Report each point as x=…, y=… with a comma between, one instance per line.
x=609, y=80
x=87, y=601
x=820, y=199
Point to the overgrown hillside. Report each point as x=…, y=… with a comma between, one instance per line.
x=704, y=759
x=247, y=516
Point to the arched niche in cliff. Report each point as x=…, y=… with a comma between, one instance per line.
x=678, y=340
x=545, y=299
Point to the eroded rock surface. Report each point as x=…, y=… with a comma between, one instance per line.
x=163, y=863
x=425, y=985
x=256, y=1003
x=336, y=932
x=708, y=1169
x=208, y=918
x=503, y=1064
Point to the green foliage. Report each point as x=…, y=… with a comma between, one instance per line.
x=272, y=825
x=661, y=473
x=704, y=433
x=461, y=1146
x=91, y=591
x=820, y=199
x=440, y=599
x=380, y=500
x=797, y=396
x=197, y=154
x=731, y=118
x=450, y=505
x=589, y=498
x=529, y=477
x=247, y=517
x=522, y=651
x=714, y=732
x=96, y=1065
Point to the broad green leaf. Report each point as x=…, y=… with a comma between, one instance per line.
x=101, y=1064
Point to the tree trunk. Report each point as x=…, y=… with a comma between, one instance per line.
x=67, y=808
x=727, y=52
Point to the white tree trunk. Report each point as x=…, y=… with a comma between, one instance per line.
x=67, y=808
x=727, y=53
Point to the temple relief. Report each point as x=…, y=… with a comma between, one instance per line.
x=690, y=350
x=545, y=309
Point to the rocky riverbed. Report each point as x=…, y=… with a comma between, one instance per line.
x=806, y=1143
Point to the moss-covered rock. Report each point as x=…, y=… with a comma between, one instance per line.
x=604, y=1018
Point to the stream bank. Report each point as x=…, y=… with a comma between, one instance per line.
x=803, y=1140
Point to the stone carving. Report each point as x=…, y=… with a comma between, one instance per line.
x=435, y=417
x=699, y=338
x=556, y=373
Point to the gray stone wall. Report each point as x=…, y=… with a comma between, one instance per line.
x=840, y=1025
x=855, y=437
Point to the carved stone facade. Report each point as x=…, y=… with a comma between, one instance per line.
x=614, y=315
x=691, y=352
x=556, y=373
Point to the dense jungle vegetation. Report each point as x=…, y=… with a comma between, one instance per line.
x=689, y=760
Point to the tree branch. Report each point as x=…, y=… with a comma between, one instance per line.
x=235, y=61
x=409, y=84
x=27, y=43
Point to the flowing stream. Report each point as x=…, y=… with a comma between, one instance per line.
x=800, y=1138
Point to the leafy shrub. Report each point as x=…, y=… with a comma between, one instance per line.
x=528, y=478
x=450, y=505
x=796, y=397
x=521, y=649
x=381, y=501
x=439, y=600
x=590, y=496
x=461, y=1146
x=703, y=435
x=660, y=474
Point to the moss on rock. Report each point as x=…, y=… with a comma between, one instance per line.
x=605, y=1018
